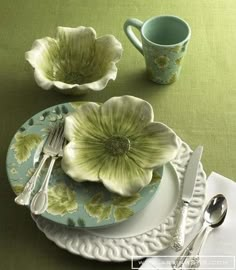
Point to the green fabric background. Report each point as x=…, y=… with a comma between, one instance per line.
x=200, y=107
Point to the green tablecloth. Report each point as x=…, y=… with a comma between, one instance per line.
x=200, y=107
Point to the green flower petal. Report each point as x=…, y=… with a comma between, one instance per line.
x=125, y=115
x=155, y=145
x=123, y=176
x=77, y=67
x=83, y=155
x=83, y=124
x=73, y=41
x=47, y=58
x=106, y=54
x=82, y=160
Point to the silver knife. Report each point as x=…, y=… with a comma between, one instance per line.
x=189, y=182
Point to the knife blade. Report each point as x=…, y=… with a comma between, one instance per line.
x=188, y=187
x=191, y=174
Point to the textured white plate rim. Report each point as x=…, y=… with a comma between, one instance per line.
x=88, y=245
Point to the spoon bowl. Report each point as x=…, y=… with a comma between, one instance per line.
x=215, y=211
x=214, y=215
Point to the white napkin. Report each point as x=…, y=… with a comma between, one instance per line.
x=221, y=241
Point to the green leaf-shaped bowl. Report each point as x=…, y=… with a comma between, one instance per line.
x=75, y=61
x=84, y=204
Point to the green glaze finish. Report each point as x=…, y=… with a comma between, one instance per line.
x=164, y=44
x=84, y=204
x=75, y=60
x=117, y=143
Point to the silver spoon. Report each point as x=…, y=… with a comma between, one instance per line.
x=214, y=215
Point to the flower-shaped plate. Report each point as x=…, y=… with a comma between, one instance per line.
x=73, y=204
x=117, y=143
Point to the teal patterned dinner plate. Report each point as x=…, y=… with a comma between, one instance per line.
x=85, y=204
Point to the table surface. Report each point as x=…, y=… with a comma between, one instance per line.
x=200, y=106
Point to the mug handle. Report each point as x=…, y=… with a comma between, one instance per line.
x=130, y=34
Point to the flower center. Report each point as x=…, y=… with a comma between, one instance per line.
x=117, y=145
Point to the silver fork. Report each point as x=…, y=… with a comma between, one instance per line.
x=187, y=252
x=24, y=197
x=39, y=203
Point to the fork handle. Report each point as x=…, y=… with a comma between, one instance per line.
x=24, y=197
x=178, y=264
x=39, y=202
x=194, y=261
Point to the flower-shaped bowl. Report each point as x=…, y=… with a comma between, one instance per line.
x=75, y=61
x=117, y=143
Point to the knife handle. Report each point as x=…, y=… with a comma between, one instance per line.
x=179, y=236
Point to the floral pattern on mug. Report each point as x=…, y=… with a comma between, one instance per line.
x=178, y=61
x=173, y=78
x=162, y=61
x=176, y=49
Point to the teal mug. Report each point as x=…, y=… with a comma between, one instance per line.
x=164, y=44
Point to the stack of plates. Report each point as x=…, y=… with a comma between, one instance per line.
x=88, y=220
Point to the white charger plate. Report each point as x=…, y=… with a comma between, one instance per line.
x=144, y=234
